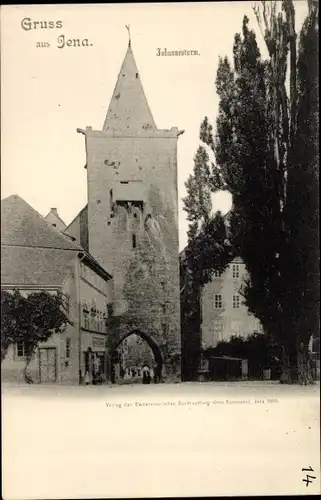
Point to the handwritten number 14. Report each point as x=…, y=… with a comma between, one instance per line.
x=309, y=478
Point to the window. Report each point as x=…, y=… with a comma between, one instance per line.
x=68, y=344
x=217, y=274
x=86, y=321
x=236, y=327
x=134, y=241
x=236, y=270
x=101, y=322
x=256, y=325
x=85, y=315
x=236, y=301
x=21, y=349
x=218, y=302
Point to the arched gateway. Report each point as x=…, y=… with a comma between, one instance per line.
x=157, y=363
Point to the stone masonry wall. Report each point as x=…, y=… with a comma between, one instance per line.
x=148, y=300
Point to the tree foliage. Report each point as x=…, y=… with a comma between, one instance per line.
x=266, y=152
x=208, y=247
x=31, y=320
x=261, y=351
x=249, y=171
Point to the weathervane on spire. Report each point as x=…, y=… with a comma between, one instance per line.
x=128, y=29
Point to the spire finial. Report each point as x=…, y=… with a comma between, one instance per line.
x=128, y=29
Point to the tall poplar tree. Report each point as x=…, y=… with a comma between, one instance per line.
x=266, y=152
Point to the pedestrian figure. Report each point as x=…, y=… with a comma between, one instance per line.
x=112, y=374
x=146, y=374
x=87, y=378
x=127, y=375
x=157, y=377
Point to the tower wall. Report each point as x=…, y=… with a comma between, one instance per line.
x=133, y=230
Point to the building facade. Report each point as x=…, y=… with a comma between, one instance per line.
x=36, y=257
x=224, y=313
x=130, y=224
x=54, y=219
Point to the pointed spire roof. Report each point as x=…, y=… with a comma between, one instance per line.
x=128, y=111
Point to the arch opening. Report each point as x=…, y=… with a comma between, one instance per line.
x=132, y=353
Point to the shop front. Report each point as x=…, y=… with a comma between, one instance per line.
x=95, y=357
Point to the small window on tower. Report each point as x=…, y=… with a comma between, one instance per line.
x=134, y=241
x=135, y=216
x=136, y=75
x=68, y=345
x=55, y=225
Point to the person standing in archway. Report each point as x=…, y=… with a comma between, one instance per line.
x=146, y=374
x=151, y=374
x=157, y=376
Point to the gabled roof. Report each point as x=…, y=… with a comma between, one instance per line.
x=53, y=217
x=83, y=211
x=78, y=228
x=21, y=225
x=128, y=110
x=23, y=266
x=33, y=252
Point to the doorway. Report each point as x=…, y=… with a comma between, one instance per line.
x=132, y=353
x=48, y=364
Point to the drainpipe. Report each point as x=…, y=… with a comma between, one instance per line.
x=81, y=258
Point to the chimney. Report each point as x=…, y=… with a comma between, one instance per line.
x=54, y=211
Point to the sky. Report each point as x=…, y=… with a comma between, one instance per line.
x=49, y=92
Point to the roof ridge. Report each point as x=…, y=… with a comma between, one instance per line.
x=52, y=231
x=73, y=220
x=56, y=215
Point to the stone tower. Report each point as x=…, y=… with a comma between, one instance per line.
x=132, y=218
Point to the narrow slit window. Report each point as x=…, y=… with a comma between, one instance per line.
x=68, y=345
x=134, y=241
